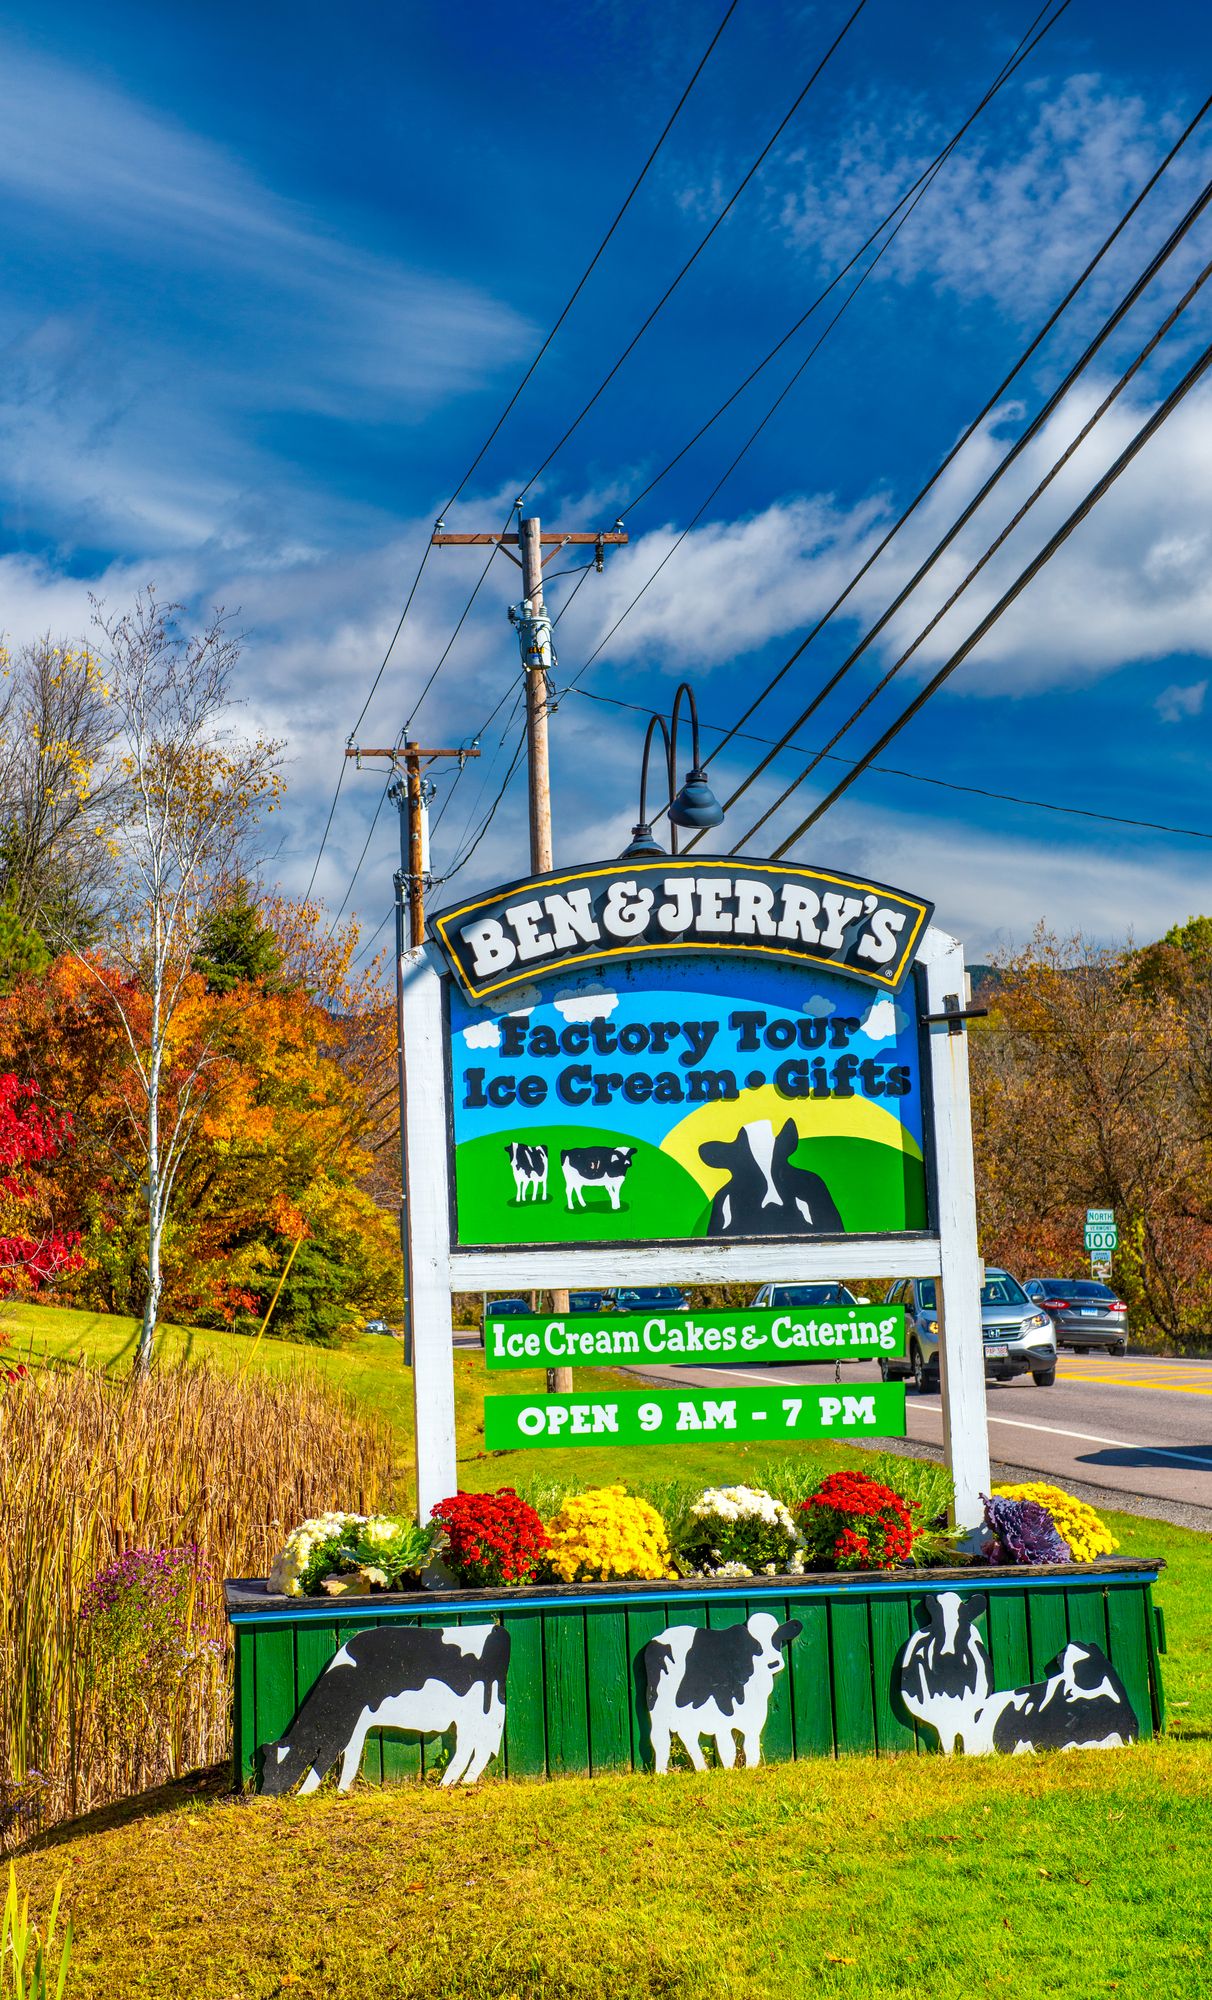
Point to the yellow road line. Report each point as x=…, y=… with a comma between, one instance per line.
x=1167, y=1388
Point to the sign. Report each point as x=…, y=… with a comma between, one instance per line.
x=687, y=1097
x=1096, y=1217
x=869, y=1409
x=633, y=909
x=698, y=1338
x=1100, y=1269
x=1101, y=1234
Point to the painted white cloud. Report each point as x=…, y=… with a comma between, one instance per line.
x=483, y=1035
x=884, y=1021
x=819, y=1008
x=1177, y=704
x=585, y=1003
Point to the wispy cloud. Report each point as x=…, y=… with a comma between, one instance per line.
x=1179, y=704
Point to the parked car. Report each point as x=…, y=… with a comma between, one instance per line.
x=1019, y=1339
x=589, y=1302
x=1083, y=1312
x=377, y=1326
x=806, y=1295
x=501, y=1308
x=650, y=1298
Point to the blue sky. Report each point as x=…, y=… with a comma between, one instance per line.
x=269, y=276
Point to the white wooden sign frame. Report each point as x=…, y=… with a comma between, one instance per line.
x=436, y=1268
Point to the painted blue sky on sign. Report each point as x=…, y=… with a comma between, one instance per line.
x=271, y=274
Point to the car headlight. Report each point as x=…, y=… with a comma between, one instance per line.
x=932, y=1328
x=1039, y=1319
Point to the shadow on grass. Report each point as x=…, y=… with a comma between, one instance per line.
x=195, y=1788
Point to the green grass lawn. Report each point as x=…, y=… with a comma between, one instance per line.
x=1068, y=1876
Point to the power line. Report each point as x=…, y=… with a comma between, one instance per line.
x=696, y=253
x=911, y=197
x=1015, y=451
x=1053, y=472
x=563, y=315
x=491, y=814
x=990, y=404
x=1085, y=506
x=923, y=777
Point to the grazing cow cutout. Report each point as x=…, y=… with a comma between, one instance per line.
x=945, y=1682
x=426, y=1679
x=766, y=1195
x=714, y=1683
x=594, y=1167
x=529, y=1164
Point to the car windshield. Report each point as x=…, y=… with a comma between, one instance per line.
x=999, y=1290
x=508, y=1306
x=811, y=1295
x=1077, y=1288
x=652, y=1295
x=584, y=1302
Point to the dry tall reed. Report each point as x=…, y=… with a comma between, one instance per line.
x=90, y=1468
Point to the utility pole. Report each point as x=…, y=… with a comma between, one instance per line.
x=534, y=637
x=410, y=796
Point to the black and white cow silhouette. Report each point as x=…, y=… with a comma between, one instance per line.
x=423, y=1678
x=715, y=1684
x=766, y=1195
x=593, y=1167
x=529, y=1164
x=945, y=1682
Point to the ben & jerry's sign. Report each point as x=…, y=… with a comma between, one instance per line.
x=626, y=910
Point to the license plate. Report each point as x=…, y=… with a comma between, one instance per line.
x=1091, y=1312
x=996, y=1353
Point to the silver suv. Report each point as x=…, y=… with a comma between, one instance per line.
x=1019, y=1338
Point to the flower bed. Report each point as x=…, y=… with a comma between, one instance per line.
x=583, y=1584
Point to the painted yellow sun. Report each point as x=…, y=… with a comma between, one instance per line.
x=815, y=1118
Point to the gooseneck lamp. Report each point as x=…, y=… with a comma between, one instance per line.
x=694, y=806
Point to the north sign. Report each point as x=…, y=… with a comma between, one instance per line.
x=702, y=1337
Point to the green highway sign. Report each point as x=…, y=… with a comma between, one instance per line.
x=697, y=1338
x=869, y=1409
x=1103, y=1237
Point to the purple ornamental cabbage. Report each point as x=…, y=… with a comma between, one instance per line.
x=1024, y=1533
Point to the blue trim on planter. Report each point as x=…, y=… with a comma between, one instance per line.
x=302, y=1610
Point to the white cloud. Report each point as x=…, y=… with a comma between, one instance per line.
x=483, y=1035
x=884, y=1021
x=1018, y=207
x=585, y=1003
x=1176, y=704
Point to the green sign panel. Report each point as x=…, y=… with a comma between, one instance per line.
x=868, y=1409
x=1102, y=1237
x=699, y=1338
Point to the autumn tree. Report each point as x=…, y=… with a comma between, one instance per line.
x=30, y=1135
x=194, y=791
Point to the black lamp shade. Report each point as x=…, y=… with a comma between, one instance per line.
x=643, y=845
x=696, y=804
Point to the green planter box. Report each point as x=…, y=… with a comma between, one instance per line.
x=576, y=1693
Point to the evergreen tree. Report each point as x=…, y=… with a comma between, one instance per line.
x=236, y=946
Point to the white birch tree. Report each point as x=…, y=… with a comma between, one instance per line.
x=194, y=791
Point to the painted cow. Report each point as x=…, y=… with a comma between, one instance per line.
x=529, y=1164
x=717, y=1684
x=594, y=1167
x=765, y=1195
x=426, y=1679
x=945, y=1683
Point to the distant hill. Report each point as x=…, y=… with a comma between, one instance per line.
x=986, y=978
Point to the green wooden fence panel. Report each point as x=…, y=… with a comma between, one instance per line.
x=809, y=1671
x=525, y=1702
x=244, y=1748
x=567, y=1693
x=891, y=1626
x=609, y=1670
x=850, y=1646
x=1127, y=1613
x=274, y=1697
x=1048, y=1628
x=1009, y=1638
x=778, y=1737
x=1087, y=1611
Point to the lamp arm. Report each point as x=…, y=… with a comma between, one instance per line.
x=657, y=722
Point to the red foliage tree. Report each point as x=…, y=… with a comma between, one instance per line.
x=29, y=1136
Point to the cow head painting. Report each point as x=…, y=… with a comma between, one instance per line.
x=714, y=1683
x=765, y=1195
x=945, y=1681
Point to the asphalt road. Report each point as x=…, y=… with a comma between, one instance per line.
x=1136, y=1432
